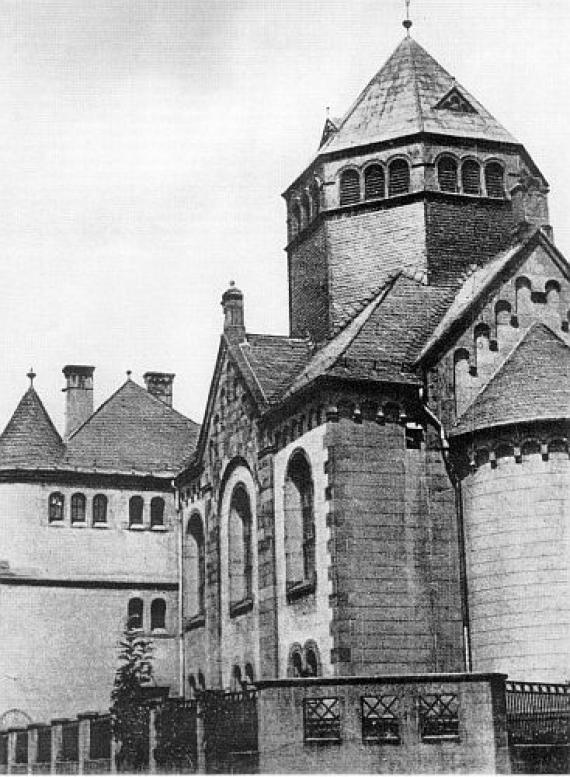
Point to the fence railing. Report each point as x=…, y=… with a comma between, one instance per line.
x=538, y=713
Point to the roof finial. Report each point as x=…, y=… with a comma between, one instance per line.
x=407, y=21
x=129, y=373
x=31, y=375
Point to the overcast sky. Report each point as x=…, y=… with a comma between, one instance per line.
x=145, y=144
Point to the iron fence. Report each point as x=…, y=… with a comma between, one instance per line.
x=538, y=713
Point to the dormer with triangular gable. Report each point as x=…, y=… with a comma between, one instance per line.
x=417, y=176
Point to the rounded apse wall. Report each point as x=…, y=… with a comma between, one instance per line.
x=517, y=546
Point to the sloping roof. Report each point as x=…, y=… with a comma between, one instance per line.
x=132, y=431
x=405, y=98
x=382, y=342
x=275, y=360
x=30, y=439
x=533, y=383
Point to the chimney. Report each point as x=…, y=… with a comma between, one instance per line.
x=232, y=305
x=159, y=384
x=79, y=400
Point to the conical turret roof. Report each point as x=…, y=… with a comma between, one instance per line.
x=30, y=439
x=413, y=93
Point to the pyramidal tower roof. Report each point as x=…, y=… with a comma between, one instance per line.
x=30, y=439
x=413, y=93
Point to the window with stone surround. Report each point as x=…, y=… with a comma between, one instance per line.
x=374, y=182
x=471, y=177
x=196, y=566
x=56, y=506
x=99, y=508
x=78, y=504
x=398, y=177
x=299, y=524
x=447, y=174
x=349, y=187
x=136, y=506
x=156, y=511
x=494, y=180
x=135, y=613
x=158, y=615
x=239, y=549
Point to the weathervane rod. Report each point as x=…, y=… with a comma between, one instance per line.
x=407, y=22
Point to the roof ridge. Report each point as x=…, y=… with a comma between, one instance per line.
x=511, y=354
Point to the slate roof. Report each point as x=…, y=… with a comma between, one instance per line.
x=132, y=431
x=402, y=100
x=30, y=439
x=275, y=360
x=533, y=383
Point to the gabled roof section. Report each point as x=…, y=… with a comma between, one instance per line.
x=408, y=96
x=132, y=432
x=532, y=384
x=275, y=360
x=481, y=280
x=381, y=343
x=30, y=440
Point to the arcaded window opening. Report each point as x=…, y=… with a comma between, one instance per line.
x=78, y=503
x=299, y=521
x=494, y=180
x=447, y=174
x=398, y=177
x=374, y=183
x=349, y=187
x=197, y=561
x=240, y=562
x=471, y=177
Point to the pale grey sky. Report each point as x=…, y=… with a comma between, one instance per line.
x=145, y=144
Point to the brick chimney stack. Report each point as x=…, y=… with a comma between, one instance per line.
x=159, y=384
x=79, y=399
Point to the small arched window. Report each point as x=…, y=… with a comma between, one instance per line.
x=157, y=511
x=239, y=528
x=398, y=177
x=447, y=174
x=299, y=522
x=56, y=506
x=136, y=511
x=349, y=187
x=78, y=508
x=296, y=664
x=295, y=219
x=316, y=199
x=196, y=566
x=494, y=180
x=374, y=182
x=305, y=209
x=135, y=613
x=158, y=614
x=236, y=683
x=471, y=177
x=249, y=674
x=99, y=508
x=311, y=662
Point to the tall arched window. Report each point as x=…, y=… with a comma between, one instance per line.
x=316, y=199
x=196, y=566
x=471, y=177
x=398, y=177
x=305, y=209
x=349, y=187
x=447, y=174
x=239, y=546
x=136, y=511
x=295, y=219
x=135, y=613
x=56, y=506
x=374, y=182
x=158, y=614
x=78, y=508
x=157, y=511
x=99, y=508
x=299, y=522
x=494, y=180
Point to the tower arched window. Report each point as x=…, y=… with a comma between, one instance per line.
x=239, y=546
x=196, y=565
x=157, y=511
x=56, y=506
x=158, y=614
x=316, y=199
x=494, y=180
x=349, y=187
x=398, y=177
x=471, y=177
x=374, y=182
x=299, y=522
x=99, y=508
x=135, y=613
x=136, y=505
x=447, y=174
x=78, y=508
